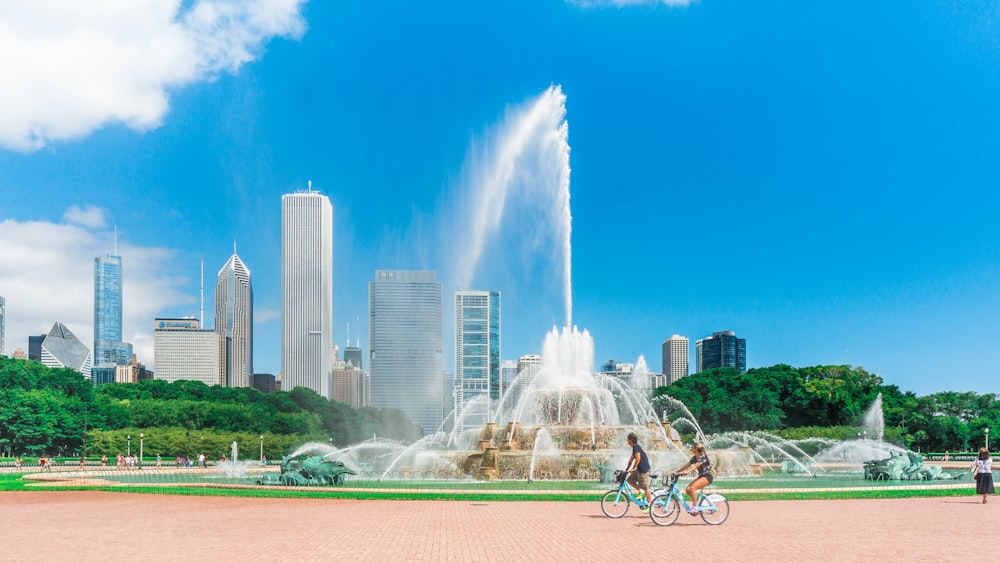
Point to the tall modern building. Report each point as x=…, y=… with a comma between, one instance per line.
x=234, y=323
x=109, y=350
x=3, y=317
x=351, y=386
x=477, y=356
x=183, y=350
x=676, y=352
x=722, y=350
x=62, y=349
x=35, y=347
x=306, y=292
x=354, y=356
x=405, y=341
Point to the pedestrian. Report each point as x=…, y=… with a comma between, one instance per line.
x=104, y=460
x=159, y=461
x=982, y=468
x=945, y=455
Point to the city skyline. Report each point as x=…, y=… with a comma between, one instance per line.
x=819, y=180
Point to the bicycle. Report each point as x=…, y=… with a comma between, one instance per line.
x=615, y=503
x=666, y=507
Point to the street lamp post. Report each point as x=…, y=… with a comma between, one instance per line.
x=987, y=432
x=262, y=448
x=128, y=439
x=141, y=436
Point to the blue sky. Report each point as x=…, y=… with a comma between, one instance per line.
x=819, y=177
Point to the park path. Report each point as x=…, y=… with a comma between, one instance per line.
x=46, y=526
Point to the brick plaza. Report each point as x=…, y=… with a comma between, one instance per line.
x=93, y=525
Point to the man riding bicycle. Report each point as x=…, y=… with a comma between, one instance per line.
x=699, y=461
x=640, y=461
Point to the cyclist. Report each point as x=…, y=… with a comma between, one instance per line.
x=639, y=478
x=700, y=462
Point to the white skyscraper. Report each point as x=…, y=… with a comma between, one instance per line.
x=405, y=341
x=676, y=351
x=306, y=292
x=234, y=323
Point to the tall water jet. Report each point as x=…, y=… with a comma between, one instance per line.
x=525, y=159
x=874, y=421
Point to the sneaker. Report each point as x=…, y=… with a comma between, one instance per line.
x=644, y=509
x=693, y=512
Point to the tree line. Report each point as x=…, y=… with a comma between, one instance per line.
x=56, y=411
x=782, y=398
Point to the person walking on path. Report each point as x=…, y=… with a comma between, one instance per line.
x=640, y=461
x=982, y=468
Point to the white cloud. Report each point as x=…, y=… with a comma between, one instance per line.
x=71, y=67
x=89, y=216
x=47, y=275
x=624, y=3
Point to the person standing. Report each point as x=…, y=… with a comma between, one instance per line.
x=639, y=478
x=982, y=468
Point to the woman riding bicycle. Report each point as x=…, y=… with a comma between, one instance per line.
x=700, y=462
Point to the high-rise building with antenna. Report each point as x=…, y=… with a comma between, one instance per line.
x=109, y=349
x=234, y=323
x=306, y=291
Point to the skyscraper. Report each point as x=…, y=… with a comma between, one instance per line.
x=109, y=350
x=722, y=350
x=404, y=338
x=183, y=350
x=62, y=349
x=477, y=356
x=234, y=323
x=676, y=352
x=3, y=316
x=35, y=347
x=306, y=291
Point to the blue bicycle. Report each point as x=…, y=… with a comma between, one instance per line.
x=615, y=503
x=666, y=507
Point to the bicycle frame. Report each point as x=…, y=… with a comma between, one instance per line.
x=675, y=492
x=615, y=502
x=664, y=509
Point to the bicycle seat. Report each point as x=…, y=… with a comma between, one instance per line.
x=654, y=476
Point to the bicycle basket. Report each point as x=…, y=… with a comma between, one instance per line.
x=619, y=476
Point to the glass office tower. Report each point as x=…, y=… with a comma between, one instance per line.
x=477, y=356
x=405, y=339
x=109, y=350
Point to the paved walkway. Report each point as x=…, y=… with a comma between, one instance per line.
x=92, y=525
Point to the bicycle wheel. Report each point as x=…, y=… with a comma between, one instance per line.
x=717, y=515
x=614, y=504
x=664, y=510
